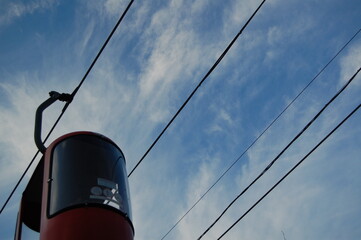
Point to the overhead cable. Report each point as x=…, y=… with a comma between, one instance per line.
x=281, y=153
x=72, y=95
x=262, y=133
x=199, y=84
x=292, y=169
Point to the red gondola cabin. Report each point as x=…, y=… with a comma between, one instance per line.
x=79, y=190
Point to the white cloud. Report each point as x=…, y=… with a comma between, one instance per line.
x=240, y=11
x=17, y=124
x=16, y=10
x=83, y=44
x=174, y=56
x=350, y=64
x=222, y=120
x=113, y=6
x=274, y=35
x=199, y=5
x=196, y=221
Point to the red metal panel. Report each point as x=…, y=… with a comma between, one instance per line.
x=86, y=223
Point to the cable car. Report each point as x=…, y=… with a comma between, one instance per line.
x=79, y=189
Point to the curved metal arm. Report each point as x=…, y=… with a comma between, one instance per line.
x=39, y=114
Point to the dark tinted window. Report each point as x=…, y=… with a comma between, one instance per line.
x=87, y=169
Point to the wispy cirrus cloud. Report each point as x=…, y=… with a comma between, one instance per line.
x=156, y=57
x=350, y=63
x=14, y=10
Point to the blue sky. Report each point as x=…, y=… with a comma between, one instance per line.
x=155, y=59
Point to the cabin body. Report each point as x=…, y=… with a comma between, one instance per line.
x=79, y=190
